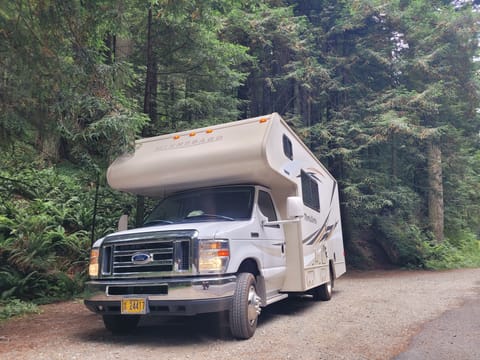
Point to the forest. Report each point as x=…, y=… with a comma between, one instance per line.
x=384, y=92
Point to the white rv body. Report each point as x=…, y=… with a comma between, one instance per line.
x=285, y=254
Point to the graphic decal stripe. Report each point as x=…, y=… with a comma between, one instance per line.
x=333, y=193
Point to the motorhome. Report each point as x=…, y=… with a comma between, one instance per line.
x=246, y=216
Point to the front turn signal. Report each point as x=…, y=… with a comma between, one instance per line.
x=93, y=266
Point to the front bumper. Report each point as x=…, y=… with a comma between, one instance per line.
x=178, y=296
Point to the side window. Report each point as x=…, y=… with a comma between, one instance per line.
x=265, y=204
x=287, y=147
x=310, y=194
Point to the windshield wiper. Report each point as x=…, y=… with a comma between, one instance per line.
x=156, y=222
x=210, y=216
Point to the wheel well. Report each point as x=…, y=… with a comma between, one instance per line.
x=250, y=266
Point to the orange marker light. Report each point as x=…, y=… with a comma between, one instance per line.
x=209, y=131
x=263, y=120
x=176, y=137
x=192, y=133
x=223, y=253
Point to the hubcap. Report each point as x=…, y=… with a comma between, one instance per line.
x=253, y=305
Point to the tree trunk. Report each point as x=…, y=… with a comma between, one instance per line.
x=151, y=82
x=110, y=45
x=394, y=158
x=297, y=110
x=435, y=190
x=149, y=103
x=48, y=140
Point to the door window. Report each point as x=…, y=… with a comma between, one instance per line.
x=265, y=204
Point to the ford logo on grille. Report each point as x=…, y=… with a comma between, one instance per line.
x=142, y=258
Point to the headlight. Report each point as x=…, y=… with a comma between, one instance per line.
x=93, y=267
x=213, y=256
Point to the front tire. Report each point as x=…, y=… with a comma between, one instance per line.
x=245, y=307
x=121, y=324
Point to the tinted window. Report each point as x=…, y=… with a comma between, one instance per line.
x=310, y=191
x=265, y=204
x=287, y=147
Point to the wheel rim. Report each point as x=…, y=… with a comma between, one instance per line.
x=253, y=305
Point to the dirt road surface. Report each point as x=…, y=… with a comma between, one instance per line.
x=372, y=315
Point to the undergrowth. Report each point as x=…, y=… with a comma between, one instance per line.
x=45, y=232
x=16, y=307
x=461, y=250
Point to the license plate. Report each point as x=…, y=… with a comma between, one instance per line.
x=134, y=306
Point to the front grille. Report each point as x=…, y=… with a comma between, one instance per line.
x=147, y=255
x=160, y=252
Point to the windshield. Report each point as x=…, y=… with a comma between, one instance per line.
x=213, y=204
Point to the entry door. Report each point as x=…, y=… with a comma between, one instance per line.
x=273, y=243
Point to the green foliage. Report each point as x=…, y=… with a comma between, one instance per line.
x=401, y=241
x=197, y=68
x=274, y=38
x=462, y=194
x=15, y=307
x=105, y=136
x=458, y=251
x=59, y=91
x=45, y=218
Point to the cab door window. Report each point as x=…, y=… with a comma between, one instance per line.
x=265, y=204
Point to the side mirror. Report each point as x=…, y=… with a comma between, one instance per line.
x=294, y=212
x=294, y=207
x=123, y=223
x=263, y=218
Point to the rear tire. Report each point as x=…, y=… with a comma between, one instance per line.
x=324, y=291
x=121, y=324
x=245, y=307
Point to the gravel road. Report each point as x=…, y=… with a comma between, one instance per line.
x=455, y=335
x=372, y=315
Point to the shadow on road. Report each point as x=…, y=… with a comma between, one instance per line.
x=179, y=330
